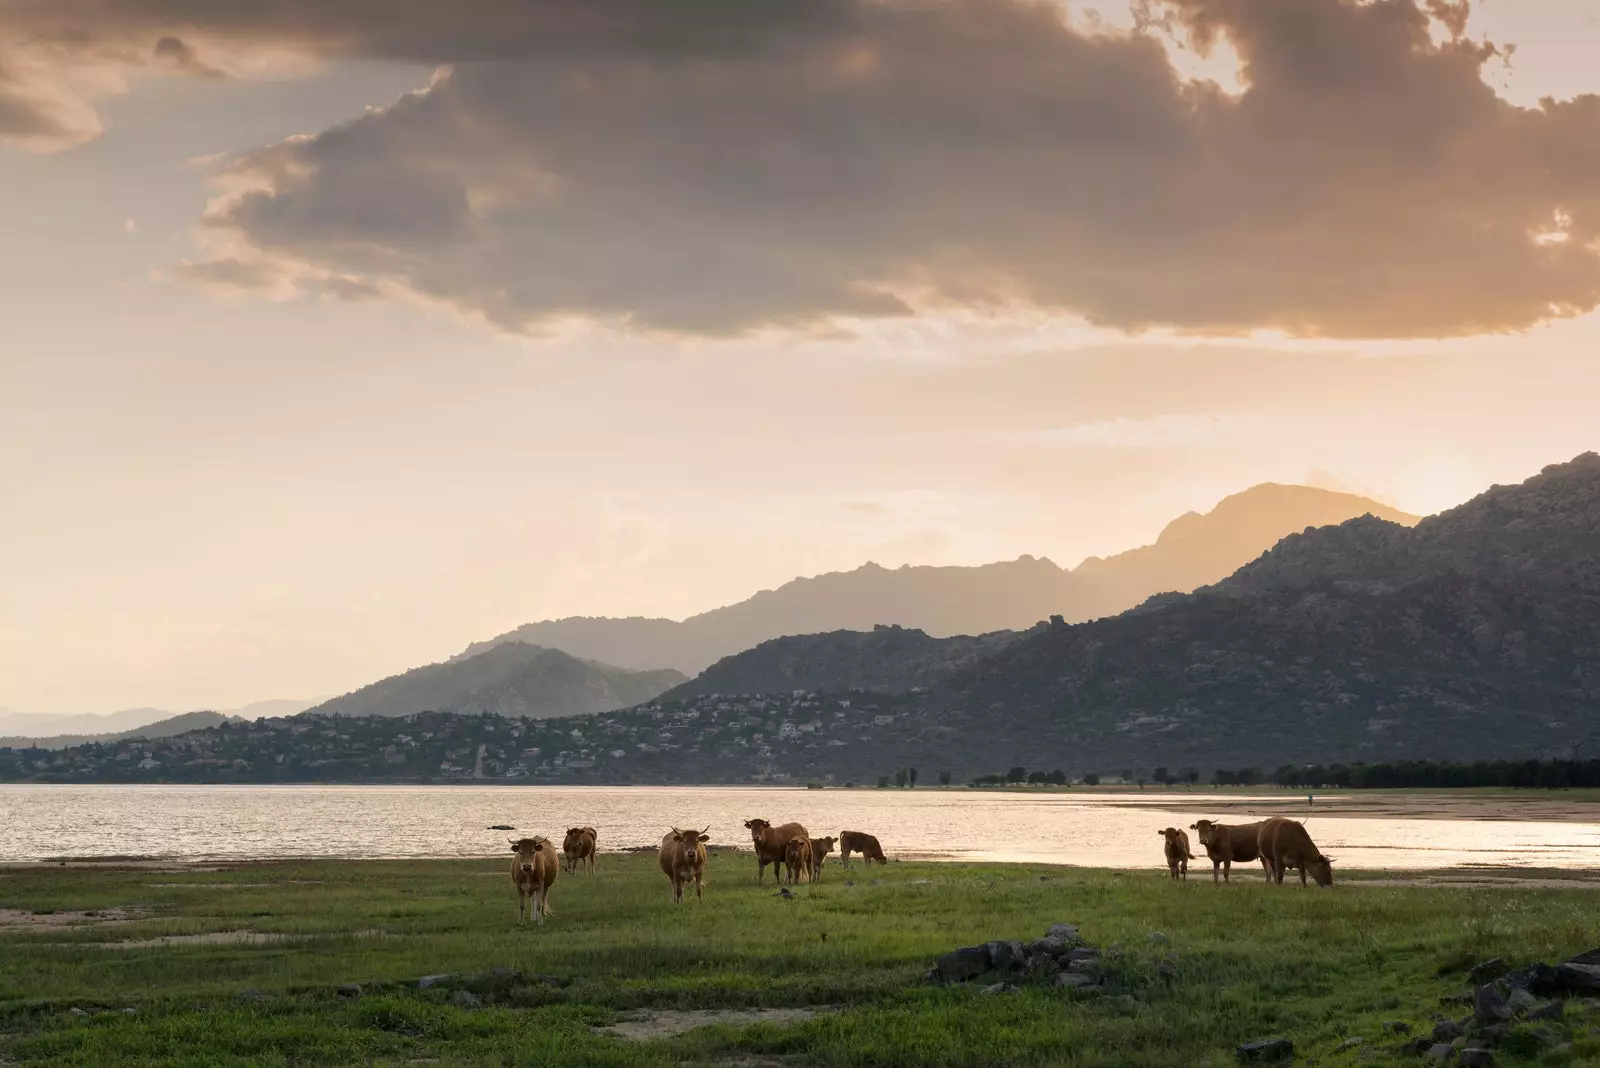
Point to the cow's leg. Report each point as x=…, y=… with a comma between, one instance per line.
x=698, y=895
x=1227, y=871
x=522, y=899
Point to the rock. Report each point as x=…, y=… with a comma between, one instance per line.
x=1083, y=953
x=465, y=999
x=1005, y=956
x=1064, y=931
x=1083, y=967
x=1476, y=1057
x=1576, y=978
x=1549, y=1010
x=549, y=980
x=1167, y=970
x=432, y=980
x=1442, y=1052
x=1397, y=1027
x=1521, y=1000
x=962, y=964
x=1055, y=947
x=1417, y=1046
x=1546, y=1035
x=1591, y=957
x=1488, y=971
x=1043, y=964
x=1456, y=999
x=998, y=988
x=1350, y=1043
x=931, y=975
x=1156, y=938
x=350, y=990
x=1534, y=977
x=1265, y=1049
x=507, y=975
x=1488, y=1006
x=1447, y=1031
x=130, y=1012
x=1073, y=979
x=1494, y=1034
x=75, y=1011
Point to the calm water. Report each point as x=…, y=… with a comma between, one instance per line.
x=237, y=822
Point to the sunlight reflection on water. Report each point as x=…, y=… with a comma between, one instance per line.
x=248, y=822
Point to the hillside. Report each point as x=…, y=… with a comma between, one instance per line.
x=1194, y=550
x=165, y=728
x=887, y=659
x=510, y=679
x=117, y=724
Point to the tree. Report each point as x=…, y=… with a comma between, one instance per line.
x=1091, y=779
x=1127, y=775
x=944, y=778
x=913, y=777
x=883, y=782
x=1161, y=775
x=1057, y=778
x=1017, y=774
x=1193, y=775
x=900, y=778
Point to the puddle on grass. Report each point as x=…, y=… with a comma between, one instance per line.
x=664, y=1023
x=14, y=920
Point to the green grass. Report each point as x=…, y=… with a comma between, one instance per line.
x=1251, y=961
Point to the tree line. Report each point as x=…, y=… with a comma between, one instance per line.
x=1423, y=774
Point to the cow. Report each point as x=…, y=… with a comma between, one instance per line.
x=683, y=859
x=1285, y=844
x=859, y=842
x=1177, y=850
x=770, y=843
x=1226, y=843
x=533, y=871
x=579, y=847
x=820, y=848
x=797, y=858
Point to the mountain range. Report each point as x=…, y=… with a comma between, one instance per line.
x=163, y=728
x=47, y=726
x=1194, y=550
x=510, y=679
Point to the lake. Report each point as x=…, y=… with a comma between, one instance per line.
x=200, y=823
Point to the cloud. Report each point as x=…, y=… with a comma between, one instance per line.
x=722, y=167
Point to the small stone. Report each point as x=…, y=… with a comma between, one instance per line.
x=1350, y=1043
x=1042, y=964
x=75, y=1011
x=1442, y=1052
x=1156, y=938
x=1073, y=979
x=1083, y=967
x=1004, y=956
x=1447, y=1031
x=1265, y=1049
x=1083, y=953
x=963, y=964
x=465, y=999
x=1494, y=1034
x=1064, y=931
x=1167, y=970
x=1550, y=1010
x=509, y=975
x=1521, y=1000
x=1488, y=971
x=431, y=980
x=1397, y=1027
x=1488, y=1006
x=1476, y=1057
x=998, y=988
x=130, y=1012
x=350, y=990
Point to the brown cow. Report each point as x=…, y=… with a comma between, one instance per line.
x=797, y=858
x=820, y=848
x=859, y=842
x=1227, y=843
x=770, y=843
x=579, y=847
x=683, y=859
x=533, y=870
x=1285, y=844
x=1177, y=850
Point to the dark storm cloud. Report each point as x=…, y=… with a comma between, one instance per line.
x=724, y=165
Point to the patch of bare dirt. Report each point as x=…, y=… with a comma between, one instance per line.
x=664, y=1023
x=14, y=920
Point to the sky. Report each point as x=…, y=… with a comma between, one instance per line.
x=335, y=337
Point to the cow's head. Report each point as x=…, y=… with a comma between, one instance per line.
x=1173, y=836
x=821, y=847
x=1203, y=828
x=691, y=838
x=525, y=848
x=574, y=840
x=756, y=827
x=1320, y=868
x=798, y=846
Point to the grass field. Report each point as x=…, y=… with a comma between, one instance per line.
x=1234, y=963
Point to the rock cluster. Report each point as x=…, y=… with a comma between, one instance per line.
x=1061, y=958
x=1522, y=1008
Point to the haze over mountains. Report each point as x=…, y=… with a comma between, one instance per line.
x=162, y=728
x=45, y=725
x=1194, y=550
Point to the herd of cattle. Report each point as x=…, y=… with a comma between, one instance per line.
x=1278, y=843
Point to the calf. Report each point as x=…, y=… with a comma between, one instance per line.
x=533, y=871
x=683, y=859
x=1285, y=844
x=1177, y=850
x=820, y=848
x=771, y=843
x=797, y=858
x=1226, y=844
x=579, y=847
x=859, y=842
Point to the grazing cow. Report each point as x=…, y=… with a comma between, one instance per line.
x=820, y=848
x=797, y=858
x=1226, y=844
x=683, y=859
x=579, y=847
x=1177, y=850
x=533, y=870
x=1285, y=844
x=771, y=843
x=859, y=842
